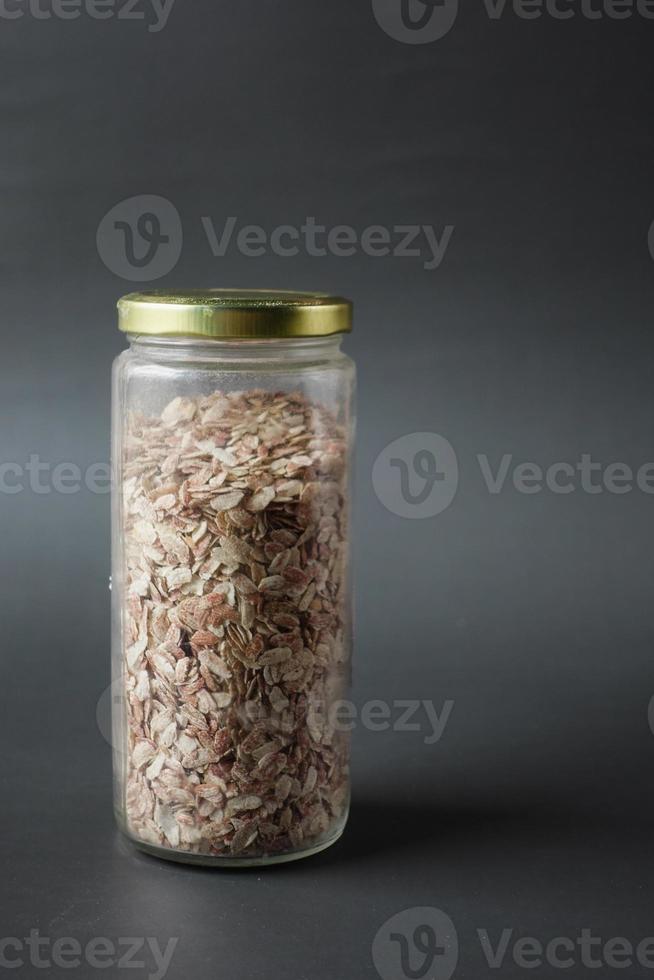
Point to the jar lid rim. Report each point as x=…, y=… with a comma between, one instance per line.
x=234, y=313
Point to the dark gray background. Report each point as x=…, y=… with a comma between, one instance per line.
x=533, y=613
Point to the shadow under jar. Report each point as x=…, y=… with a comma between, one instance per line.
x=232, y=438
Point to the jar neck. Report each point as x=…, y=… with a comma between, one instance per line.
x=295, y=349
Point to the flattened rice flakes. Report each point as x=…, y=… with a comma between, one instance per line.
x=235, y=645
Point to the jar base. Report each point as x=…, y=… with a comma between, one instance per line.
x=210, y=861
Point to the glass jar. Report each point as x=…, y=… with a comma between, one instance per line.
x=232, y=437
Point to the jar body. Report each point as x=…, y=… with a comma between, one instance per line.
x=231, y=596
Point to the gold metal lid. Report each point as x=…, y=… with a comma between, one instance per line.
x=233, y=313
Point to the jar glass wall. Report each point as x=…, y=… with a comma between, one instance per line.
x=231, y=595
